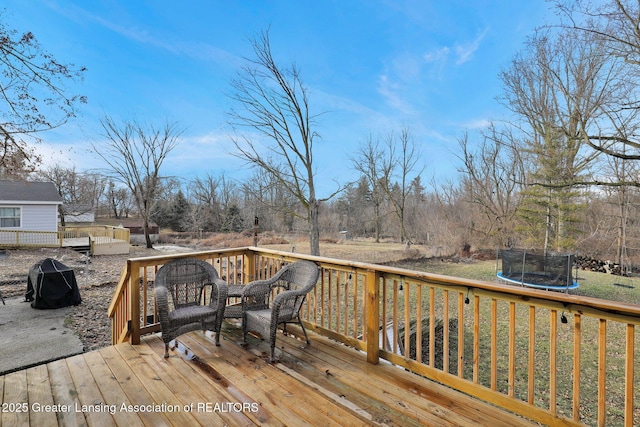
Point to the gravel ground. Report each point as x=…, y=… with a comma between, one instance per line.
x=89, y=319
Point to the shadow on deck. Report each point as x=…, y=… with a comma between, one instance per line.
x=201, y=384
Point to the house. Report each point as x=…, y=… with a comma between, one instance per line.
x=28, y=206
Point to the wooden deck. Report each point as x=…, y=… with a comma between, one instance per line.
x=326, y=383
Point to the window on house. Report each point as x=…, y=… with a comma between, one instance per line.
x=9, y=217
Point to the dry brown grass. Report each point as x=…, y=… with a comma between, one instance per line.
x=363, y=250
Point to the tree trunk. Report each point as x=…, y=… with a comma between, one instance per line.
x=61, y=213
x=147, y=235
x=547, y=231
x=377, y=221
x=314, y=227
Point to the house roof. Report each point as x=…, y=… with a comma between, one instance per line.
x=28, y=192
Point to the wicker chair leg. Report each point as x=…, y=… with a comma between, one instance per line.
x=217, y=339
x=166, y=350
x=244, y=332
x=306, y=337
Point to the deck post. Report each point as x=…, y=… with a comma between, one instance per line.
x=249, y=266
x=373, y=317
x=134, y=303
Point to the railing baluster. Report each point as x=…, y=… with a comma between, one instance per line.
x=553, y=361
x=629, y=375
x=383, y=301
x=372, y=299
x=577, y=340
x=323, y=275
x=365, y=307
x=602, y=372
x=494, y=344
x=432, y=327
x=407, y=320
x=512, y=349
x=531, y=392
x=476, y=338
x=144, y=297
x=460, y=335
x=355, y=308
x=396, y=337
x=445, y=331
x=419, y=323
x=330, y=302
x=340, y=301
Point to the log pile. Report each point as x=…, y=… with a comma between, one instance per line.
x=592, y=264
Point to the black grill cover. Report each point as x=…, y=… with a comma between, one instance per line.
x=52, y=284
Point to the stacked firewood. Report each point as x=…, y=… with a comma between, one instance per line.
x=592, y=264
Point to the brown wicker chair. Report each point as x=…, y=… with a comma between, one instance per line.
x=180, y=298
x=263, y=317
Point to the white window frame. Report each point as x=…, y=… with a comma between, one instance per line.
x=19, y=217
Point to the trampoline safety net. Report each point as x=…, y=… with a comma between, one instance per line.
x=541, y=270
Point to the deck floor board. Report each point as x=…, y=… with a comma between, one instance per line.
x=326, y=383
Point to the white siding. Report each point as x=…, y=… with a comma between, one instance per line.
x=39, y=218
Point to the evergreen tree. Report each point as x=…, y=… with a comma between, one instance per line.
x=178, y=214
x=233, y=221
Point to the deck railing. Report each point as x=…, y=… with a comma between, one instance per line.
x=73, y=232
x=55, y=239
x=554, y=358
x=29, y=239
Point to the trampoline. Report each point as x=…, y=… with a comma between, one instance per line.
x=550, y=272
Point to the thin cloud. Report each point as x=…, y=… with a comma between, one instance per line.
x=464, y=52
x=196, y=50
x=477, y=124
x=389, y=90
x=437, y=55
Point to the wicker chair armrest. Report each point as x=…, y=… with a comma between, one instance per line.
x=279, y=300
x=257, y=288
x=162, y=303
x=283, y=297
x=256, y=294
x=221, y=289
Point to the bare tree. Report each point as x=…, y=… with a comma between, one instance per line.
x=368, y=162
x=615, y=24
x=274, y=102
x=118, y=200
x=270, y=201
x=79, y=191
x=556, y=87
x=453, y=220
x=398, y=163
x=206, y=192
x=492, y=177
x=33, y=97
x=135, y=154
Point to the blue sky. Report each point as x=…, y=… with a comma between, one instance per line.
x=372, y=67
